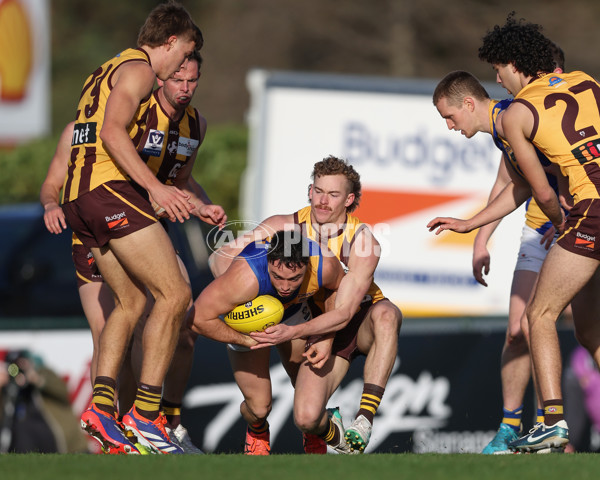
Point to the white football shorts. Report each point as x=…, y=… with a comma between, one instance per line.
x=531, y=252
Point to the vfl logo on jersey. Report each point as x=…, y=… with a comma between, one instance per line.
x=554, y=81
x=187, y=146
x=587, y=152
x=584, y=240
x=84, y=133
x=117, y=221
x=154, y=143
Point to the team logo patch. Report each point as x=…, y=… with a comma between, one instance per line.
x=154, y=143
x=554, y=81
x=551, y=409
x=187, y=146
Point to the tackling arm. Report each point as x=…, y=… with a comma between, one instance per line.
x=351, y=289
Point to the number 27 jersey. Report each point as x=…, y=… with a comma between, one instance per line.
x=566, y=112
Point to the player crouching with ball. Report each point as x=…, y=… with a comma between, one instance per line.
x=290, y=268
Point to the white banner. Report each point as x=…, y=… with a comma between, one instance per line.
x=24, y=70
x=412, y=170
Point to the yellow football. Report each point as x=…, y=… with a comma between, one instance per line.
x=254, y=316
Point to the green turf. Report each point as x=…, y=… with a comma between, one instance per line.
x=300, y=467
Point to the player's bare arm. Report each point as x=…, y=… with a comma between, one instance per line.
x=236, y=286
x=481, y=254
x=512, y=196
x=54, y=218
x=132, y=83
x=204, y=209
x=518, y=124
x=352, y=288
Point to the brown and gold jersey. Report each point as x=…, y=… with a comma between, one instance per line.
x=340, y=243
x=90, y=164
x=534, y=217
x=566, y=111
x=166, y=145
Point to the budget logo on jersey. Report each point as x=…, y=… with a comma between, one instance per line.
x=117, y=221
x=187, y=146
x=587, y=152
x=584, y=240
x=154, y=143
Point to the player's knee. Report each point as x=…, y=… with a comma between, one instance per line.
x=387, y=321
x=259, y=410
x=178, y=297
x=307, y=418
x=134, y=304
x=537, y=313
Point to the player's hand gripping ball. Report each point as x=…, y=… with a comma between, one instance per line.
x=262, y=312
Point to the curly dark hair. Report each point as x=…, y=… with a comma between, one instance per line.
x=336, y=166
x=290, y=248
x=520, y=43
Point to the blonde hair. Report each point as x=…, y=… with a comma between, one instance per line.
x=336, y=166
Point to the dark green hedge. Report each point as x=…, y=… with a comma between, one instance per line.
x=218, y=168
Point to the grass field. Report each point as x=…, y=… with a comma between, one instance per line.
x=301, y=467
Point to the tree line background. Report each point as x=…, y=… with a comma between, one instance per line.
x=388, y=38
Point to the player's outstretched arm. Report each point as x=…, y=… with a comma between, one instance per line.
x=511, y=197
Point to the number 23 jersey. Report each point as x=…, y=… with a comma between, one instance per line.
x=91, y=164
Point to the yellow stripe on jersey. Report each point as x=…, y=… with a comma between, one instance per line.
x=124, y=200
x=82, y=278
